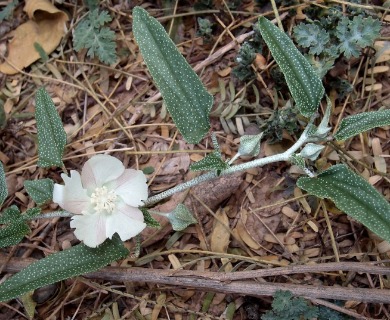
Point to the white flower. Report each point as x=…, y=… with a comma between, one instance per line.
x=104, y=199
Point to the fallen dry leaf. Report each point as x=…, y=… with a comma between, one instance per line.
x=220, y=235
x=243, y=234
x=45, y=27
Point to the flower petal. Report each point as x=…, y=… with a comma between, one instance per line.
x=71, y=197
x=99, y=170
x=127, y=222
x=129, y=211
x=131, y=187
x=90, y=228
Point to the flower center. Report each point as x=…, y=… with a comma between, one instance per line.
x=104, y=200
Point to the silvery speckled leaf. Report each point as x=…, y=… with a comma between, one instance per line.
x=353, y=195
x=62, y=265
x=186, y=98
x=51, y=134
x=250, y=145
x=298, y=160
x=15, y=226
x=305, y=85
x=212, y=161
x=40, y=191
x=150, y=222
x=311, y=151
x=14, y=229
x=361, y=122
x=181, y=218
x=324, y=128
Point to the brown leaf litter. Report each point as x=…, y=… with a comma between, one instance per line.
x=249, y=224
x=45, y=27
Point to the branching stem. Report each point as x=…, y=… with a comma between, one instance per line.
x=241, y=167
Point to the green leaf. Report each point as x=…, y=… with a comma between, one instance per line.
x=8, y=10
x=40, y=191
x=100, y=41
x=16, y=228
x=347, y=45
x=298, y=160
x=91, y=4
x=321, y=66
x=353, y=195
x=3, y=185
x=287, y=307
x=313, y=36
x=303, y=82
x=150, y=222
x=311, y=151
x=356, y=34
x=186, y=99
x=65, y=264
x=210, y=162
x=51, y=134
x=324, y=128
x=250, y=145
x=31, y=213
x=358, y=123
x=181, y=218
x=9, y=215
x=14, y=233
x=365, y=30
x=148, y=170
x=42, y=53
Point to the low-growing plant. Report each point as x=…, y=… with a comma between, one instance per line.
x=287, y=307
x=246, y=55
x=284, y=119
x=7, y=11
x=205, y=28
x=92, y=34
x=244, y=59
x=109, y=204
x=336, y=34
x=327, y=35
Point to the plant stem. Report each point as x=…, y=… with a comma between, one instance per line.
x=241, y=167
x=55, y=214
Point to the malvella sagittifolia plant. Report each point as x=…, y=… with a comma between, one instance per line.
x=109, y=204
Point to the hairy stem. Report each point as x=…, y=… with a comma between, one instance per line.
x=241, y=167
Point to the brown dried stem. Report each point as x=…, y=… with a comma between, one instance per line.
x=233, y=282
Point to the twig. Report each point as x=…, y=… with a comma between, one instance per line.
x=232, y=282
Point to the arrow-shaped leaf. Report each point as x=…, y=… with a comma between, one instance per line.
x=51, y=134
x=62, y=265
x=353, y=195
x=181, y=218
x=40, y=191
x=212, y=161
x=185, y=96
x=361, y=122
x=16, y=228
x=305, y=85
x=149, y=220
